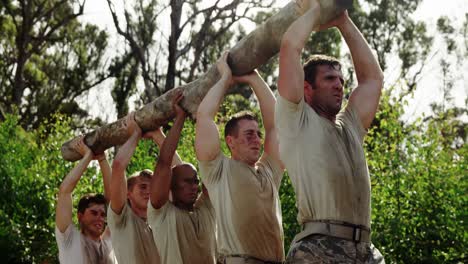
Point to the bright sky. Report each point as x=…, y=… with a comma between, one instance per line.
x=97, y=12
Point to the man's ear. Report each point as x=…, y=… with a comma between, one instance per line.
x=80, y=215
x=229, y=140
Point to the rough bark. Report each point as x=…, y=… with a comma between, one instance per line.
x=252, y=51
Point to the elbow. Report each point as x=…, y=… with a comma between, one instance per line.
x=203, y=113
x=117, y=165
x=63, y=190
x=164, y=162
x=379, y=79
x=290, y=44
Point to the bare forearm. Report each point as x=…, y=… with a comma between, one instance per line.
x=119, y=165
x=266, y=100
x=160, y=185
x=158, y=139
x=366, y=66
x=299, y=32
x=291, y=75
x=106, y=177
x=125, y=152
x=119, y=189
x=63, y=213
x=72, y=178
x=169, y=146
x=210, y=104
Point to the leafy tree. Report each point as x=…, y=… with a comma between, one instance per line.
x=419, y=187
x=31, y=170
x=196, y=40
x=48, y=58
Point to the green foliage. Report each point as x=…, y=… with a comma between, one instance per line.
x=48, y=58
x=31, y=169
x=289, y=211
x=419, y=189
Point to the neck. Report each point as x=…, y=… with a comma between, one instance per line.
x=323, y=113
x=140, y=212
x=183, y=206
x=90, y=236
x=237, y=158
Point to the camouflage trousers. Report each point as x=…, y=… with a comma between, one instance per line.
x=330, y=250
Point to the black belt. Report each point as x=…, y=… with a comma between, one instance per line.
x=344, y=230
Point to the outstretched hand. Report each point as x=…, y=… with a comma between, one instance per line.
x=82, y=148
x=154, y=134
x=99, y=157
x=304, y=5
x=223, y=67
x=337, y=21
x=248, y=78
x=131, y=125
x=178, y=110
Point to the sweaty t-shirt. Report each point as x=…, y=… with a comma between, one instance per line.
x=247, y=206
x=75, y=248
x=132, y=238
x=326, y=163
x=182, y=236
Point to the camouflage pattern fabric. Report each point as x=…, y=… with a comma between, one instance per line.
x=331, y=250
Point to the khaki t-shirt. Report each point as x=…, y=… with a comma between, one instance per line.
x=132, y=238
x=248, y=213
x=326, y=163
x=182, y=236
x=75, y=248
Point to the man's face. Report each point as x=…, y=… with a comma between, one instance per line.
x=92, y=220
x=139, y=193
x=326, y=94
x=185, y=189
x=246, y=145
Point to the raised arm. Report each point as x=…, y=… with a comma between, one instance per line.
x=158, y=138
x=63, y=211
x=291, y=74
x=365, y=97
x=267, y=101
x=106, y=174
x=207, y=145
x=118, y=181
x=161, y=181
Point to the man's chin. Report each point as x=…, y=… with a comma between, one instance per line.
x=95, y=232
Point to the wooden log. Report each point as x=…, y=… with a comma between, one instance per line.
x=251, y=52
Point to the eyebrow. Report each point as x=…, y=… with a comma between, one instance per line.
x=97, y=211
x=251, y=131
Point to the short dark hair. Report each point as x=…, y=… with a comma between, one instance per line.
x=89, y=199
x=231, y=127
x=132, y=180
x=312, y=64
x=175, y=176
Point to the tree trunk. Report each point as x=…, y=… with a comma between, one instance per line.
x=176, y=15
x=252, y=51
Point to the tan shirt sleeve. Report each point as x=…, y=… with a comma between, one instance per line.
x=272, y=168
x=289, y=117
x=65, y=239
x=117, y=221
x=157, y=217
x=351, y=120
x=211, y=171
